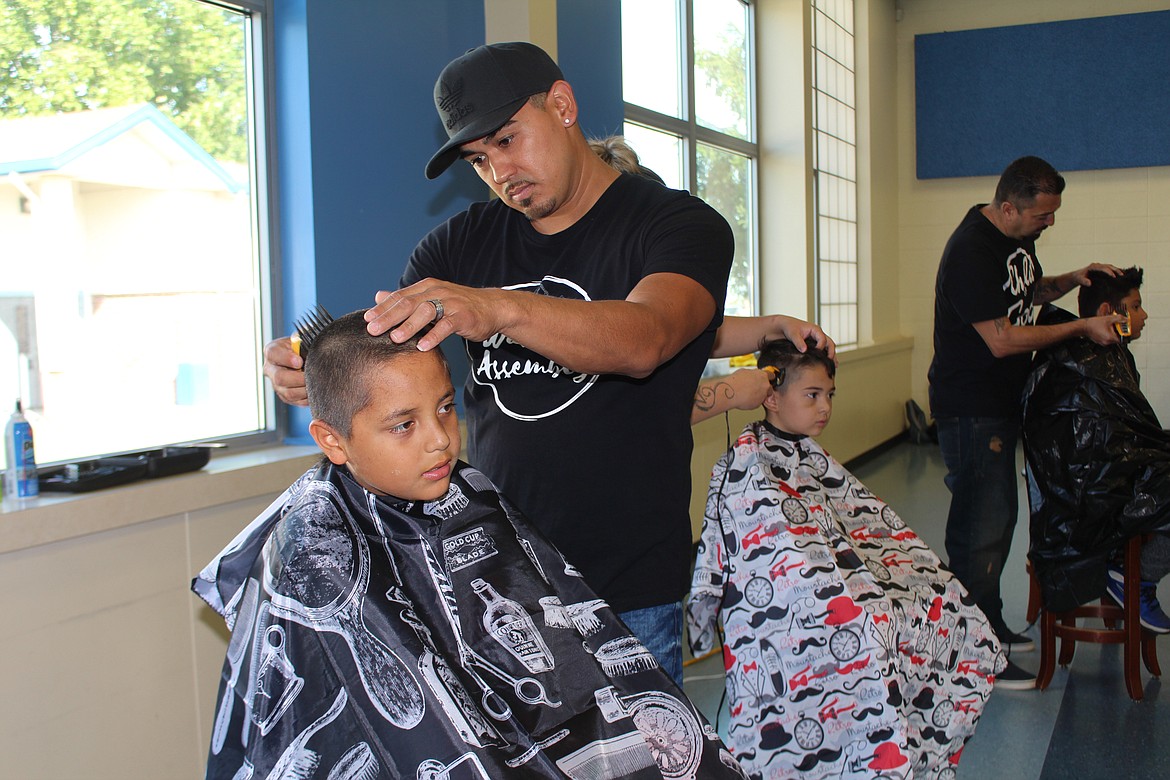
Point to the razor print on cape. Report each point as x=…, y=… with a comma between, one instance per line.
x=502, y=660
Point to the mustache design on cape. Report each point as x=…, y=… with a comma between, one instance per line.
x=832, y=482
x=850, y=686
x=760, y=504
x=935, y=735
x=863, y=714
x=824, y=755
x=806, y=693
x=772, y=613
x=815, y=570
x=756, y=552
x=805, y=644
x=826, y=593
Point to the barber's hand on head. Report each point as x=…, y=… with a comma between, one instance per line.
x=466, y=311
x=1103, y=329
x=282, y=365
x=797, y=331
x=1082, y=275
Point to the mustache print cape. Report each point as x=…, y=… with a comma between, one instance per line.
x=850, y=651
x=374, y=638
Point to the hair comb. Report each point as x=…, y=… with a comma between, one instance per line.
x=1122, y=328
x=308, y=327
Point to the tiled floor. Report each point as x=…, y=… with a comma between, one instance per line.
x=1083, y=727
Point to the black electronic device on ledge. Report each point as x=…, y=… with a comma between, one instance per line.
x=84, y=476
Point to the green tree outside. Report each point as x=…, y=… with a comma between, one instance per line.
x=183, y=57
x=723, y=176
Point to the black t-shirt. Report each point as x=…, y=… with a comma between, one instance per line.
x=601, y=463
x=984, y=275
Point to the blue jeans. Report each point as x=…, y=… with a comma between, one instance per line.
x=980, y=456
x=660, y=630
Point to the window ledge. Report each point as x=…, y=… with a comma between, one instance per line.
x=856, y=354
x=55, y=517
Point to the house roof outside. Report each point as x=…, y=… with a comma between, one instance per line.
x=61, y=142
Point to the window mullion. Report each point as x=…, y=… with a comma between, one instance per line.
x=719, y=165
x=692, y=123
x=728, y=142
x=665, y=122
x=670, y=124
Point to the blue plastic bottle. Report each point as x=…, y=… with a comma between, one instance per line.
x=20, y=476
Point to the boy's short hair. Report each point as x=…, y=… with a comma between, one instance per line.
x=783, y=354
x=337, y=368
x=1107, y=289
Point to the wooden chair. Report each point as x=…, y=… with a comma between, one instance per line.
x=1032, y=614
x=1121, y=626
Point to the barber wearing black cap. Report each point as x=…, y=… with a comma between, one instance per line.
x=589, y=302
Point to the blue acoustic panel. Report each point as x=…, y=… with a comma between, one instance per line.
x=1085, y=94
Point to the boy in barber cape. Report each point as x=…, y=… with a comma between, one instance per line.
x=850, y=650
x=393, y=615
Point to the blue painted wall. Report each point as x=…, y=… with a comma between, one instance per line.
x=297, y=275
x=356, y=124
x=589, y=51
x=372, y=69
x=1085, y=94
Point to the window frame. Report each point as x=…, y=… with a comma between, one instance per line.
x=262, y=63
x=260, y=93
x=692, y=134
x=823, y=295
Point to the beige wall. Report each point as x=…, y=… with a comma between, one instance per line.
x=522, y=20
x=1118, y=216
x=111, y=664
x=878, y=162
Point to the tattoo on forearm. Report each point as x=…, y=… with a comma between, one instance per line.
x=1049, y=290
x=1001, y=324
x=706, y=395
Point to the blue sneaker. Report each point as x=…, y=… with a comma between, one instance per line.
x=1150, y=611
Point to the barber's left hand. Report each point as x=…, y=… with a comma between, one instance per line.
x=1082, y=276
x=797, y=331
x=466, y=311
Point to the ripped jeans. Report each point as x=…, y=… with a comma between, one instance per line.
x=980, y=456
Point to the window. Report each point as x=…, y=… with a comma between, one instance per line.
x=133, y=205
x=688, y=85
x=835, y=168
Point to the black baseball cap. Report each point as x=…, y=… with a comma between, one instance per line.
x=481, y=90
